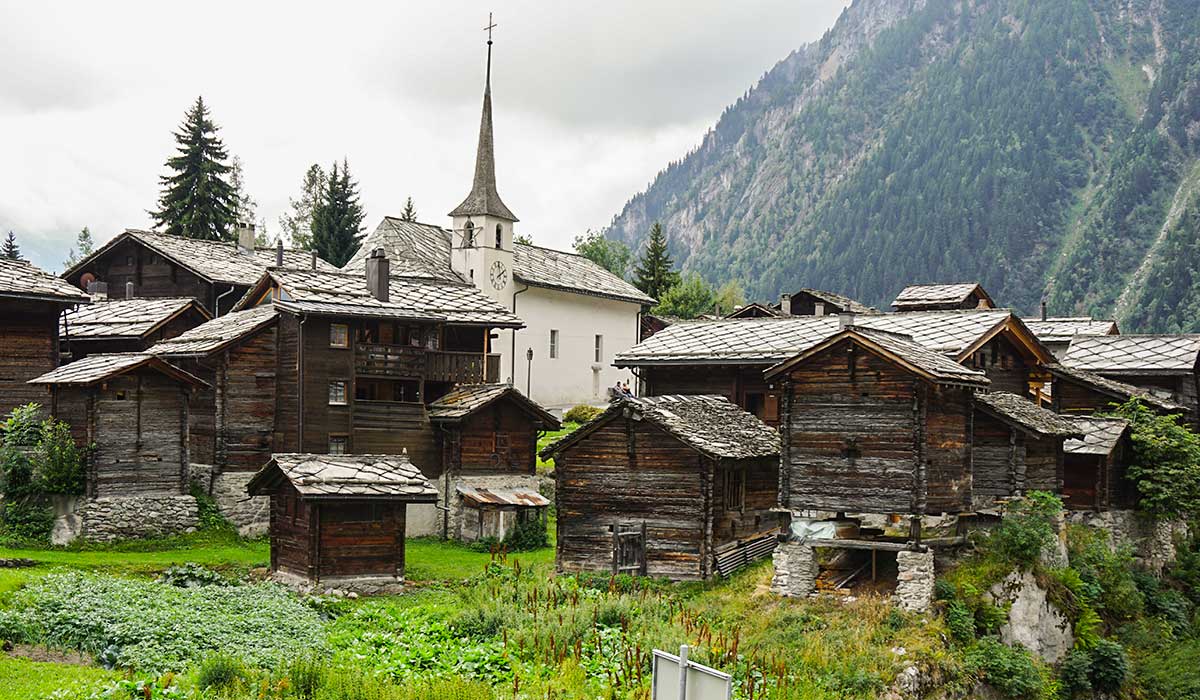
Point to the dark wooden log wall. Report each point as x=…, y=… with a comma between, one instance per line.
x=501, y=439
x=287, y=384
x=1072, y=397
x=629, y=472
x=140, y=436
x=1000, y=360
x=1008, y=462
x=761, y=492
x=735, y=382
x=245, y=402
x=360, y=538
x=153, y=276
x=291, y=525
x=28, y=349
x=949, y=413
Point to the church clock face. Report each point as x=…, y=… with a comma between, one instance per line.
x=498, y=275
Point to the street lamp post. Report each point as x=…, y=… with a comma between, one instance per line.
x=528, y=370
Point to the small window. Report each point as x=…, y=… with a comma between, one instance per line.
x=120, y=394
x=733, y=485
x=599, y=348
x=553, y=343
x=129, y=261
x=339, y=335
x=339, y=444
x=337, y=392
x=499, y=235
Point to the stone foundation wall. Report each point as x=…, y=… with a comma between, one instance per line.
x=914, y=582
x=352, y=586
x=796, y=570
x=251, y=515
x=109, y=519
x=1151, y=539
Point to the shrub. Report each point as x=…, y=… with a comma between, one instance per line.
x=1186, y=569
x=943, y=590
x=581, y=413
x=1109, y=666
x=23, y=426
x=192, y=575
x=1166, y=461
x=59, y=465
x=1010, y=670
x=209, y=514
x=26, y=521
x=1028, y=527
x=306, y=674
x=1075, y=674
x=219, y=672
x=961, y=622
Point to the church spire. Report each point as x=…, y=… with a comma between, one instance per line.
x=483, y=199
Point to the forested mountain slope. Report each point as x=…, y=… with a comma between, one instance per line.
x=1046, y=149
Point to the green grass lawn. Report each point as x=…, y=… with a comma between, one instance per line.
x=22, y=679
x=544, y=466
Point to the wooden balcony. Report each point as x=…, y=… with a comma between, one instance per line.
x=462, y=367
x=389, y=415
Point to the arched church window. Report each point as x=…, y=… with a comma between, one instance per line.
x=499, y=232
x=469, y=234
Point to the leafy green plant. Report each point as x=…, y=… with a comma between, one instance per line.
x=23, y=426
x=219, y=672
x=1075, y=674
x=1109, y=666
x=1028, y=527
x=209, y=513
x=192, y=575
x=1010, y=670
x=26, y=521
x=59, y=462
x=581, y=413
x=961, y=621
x=1166, y=461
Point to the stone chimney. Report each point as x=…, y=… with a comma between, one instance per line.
x=845, y=320
x=129, y=289
x=245, y=239
x=378, y=273
x=314, y=260
x=785, y=304
x=278, y=252
x=98, y=290
x=818, y=308
x=1043, y=309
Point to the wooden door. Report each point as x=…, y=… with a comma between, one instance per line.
x=629, y=548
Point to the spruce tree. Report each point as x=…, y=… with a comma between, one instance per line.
x=337, y=221
x=653, y=273
x=298, y=223
x=410, y=212
x=197, y=201
x=245, y=207
x=84, y=245
x=11, y=250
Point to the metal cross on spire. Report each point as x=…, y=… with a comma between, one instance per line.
x=490, y=26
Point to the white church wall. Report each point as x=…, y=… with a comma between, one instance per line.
x=574, y=377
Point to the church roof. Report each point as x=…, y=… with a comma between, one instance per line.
x=125, y=318
x=215, y=261
x=423, y=250
x=483, y=199
x=21, y=279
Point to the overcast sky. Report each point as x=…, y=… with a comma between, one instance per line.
x=591, y=100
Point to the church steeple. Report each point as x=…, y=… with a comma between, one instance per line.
x=483, y=199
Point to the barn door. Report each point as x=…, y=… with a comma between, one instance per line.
x=629, y=548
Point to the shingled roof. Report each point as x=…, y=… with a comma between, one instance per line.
x=98, y=368
x=484, y=200
x=21, y=280
x=900, y=349
x=1118, y=390
x=346, y=294
x=841, y=301
x=1100, y=436
x=711, y=425
x=216, y=334
x=768, y=341
x=1063, y=329
x=466, y=399
x=1026, y=415
x=214, y=261
x=125, y=318
x=423, y=250
x=1134, y=354
x=373, y=477
x=917, y=297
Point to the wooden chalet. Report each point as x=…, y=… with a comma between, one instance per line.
x=216, y=273
x=943, y=297
x=728, y=357
x=680, y=487
x=1017, y=447
x=1167, y=366
x=1056, y=332
x=126, y=325
x=1095, y=465
x=1080, y=392
x=753, y=310
x=339, y=520
x=488, y=438
x=805, y=302
x=132, y=409
x=30, y=303
x=873, y=422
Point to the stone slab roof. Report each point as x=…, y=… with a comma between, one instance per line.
x=840, y=300
x=1134, y=354
x=423, y=250
x=216, y=334
x=1024, y=413
x=925, y=296
x=345, y=293
x=771, y=340
x=100, y=367
x=466, y=399
x=493, y=496
x=711, y=425
x=125, y=318
x=22, y=280
x=1118, y=390
x=1100, y=436
x=1062, y=329
x=215, y=261
x=384, y=477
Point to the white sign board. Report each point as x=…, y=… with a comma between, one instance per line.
x=676, y=678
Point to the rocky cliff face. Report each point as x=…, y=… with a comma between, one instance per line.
x=1045, y=149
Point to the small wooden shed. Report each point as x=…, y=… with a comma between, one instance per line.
x=338, y=520
x=133, y=409
x=680, y=487
x=1018, y=447
x=488, y=437
x=1094, y=465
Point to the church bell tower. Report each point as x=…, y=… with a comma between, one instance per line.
x=482, y=240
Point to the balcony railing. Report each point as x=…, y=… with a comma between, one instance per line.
x=375, y=360
x=388, y=415
x=462, y=367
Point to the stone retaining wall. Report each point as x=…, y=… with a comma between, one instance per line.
x=914, y=582
x=251, y=515
x=796, y=570
x=1151, y=539
x=110, y=519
